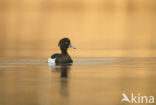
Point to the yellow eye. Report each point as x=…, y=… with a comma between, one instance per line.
x=66, y=42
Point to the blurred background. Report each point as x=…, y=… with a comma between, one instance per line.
x=29, y=34
x=97, y=28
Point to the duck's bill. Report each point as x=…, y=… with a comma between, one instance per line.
x=70, y=46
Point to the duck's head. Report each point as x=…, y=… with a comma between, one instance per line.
x=64, y=44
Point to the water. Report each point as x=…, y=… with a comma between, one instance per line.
x=31, y=29
x=89, y=81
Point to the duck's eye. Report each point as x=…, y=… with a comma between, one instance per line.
x=66, y=42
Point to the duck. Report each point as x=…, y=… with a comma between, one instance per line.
x=63, y=57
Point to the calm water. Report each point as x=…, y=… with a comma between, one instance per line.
x=97, y=28
x=89, y=81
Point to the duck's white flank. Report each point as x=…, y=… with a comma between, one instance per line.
x=51, y=61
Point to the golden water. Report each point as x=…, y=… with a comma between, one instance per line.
x=106, y=34
x=98, y=28
x=89, y=81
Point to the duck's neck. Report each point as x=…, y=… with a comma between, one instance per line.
x=64, y=51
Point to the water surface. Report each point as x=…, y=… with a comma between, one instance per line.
x=89, y=81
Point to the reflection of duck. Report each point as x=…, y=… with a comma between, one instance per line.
x=64, y=57
x=63, y=69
